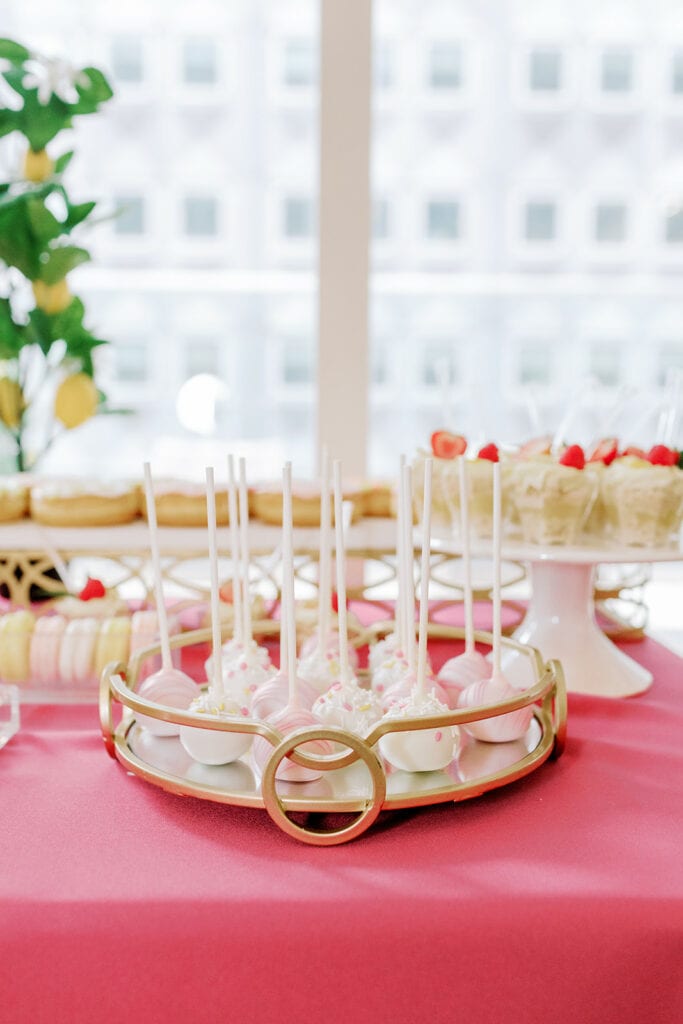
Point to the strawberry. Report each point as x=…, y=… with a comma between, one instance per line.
x=635, y=452
x=93, y=588
x=489, y=452
x=225, y=593
x=573, y=456
x=605, y=451
x=446, y=445
x=536, y=446
x=660, y=455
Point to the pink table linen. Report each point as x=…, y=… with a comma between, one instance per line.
x=558, y=898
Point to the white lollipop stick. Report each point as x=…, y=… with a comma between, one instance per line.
x=400, y=546
x=238, y=628
x=409, y=605
x=288, y=608
x=496, y=570
x=244, y=536
x=56, y=559
x=424, y=580
x=217, y=666
x=166, y=662
x=324, y=595
x=466, y=562
x=340, y=559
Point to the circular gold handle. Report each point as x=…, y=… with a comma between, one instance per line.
x=559, y=706
x=106, y=717
x=373, y=805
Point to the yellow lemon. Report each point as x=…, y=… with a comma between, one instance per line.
x=37, y=165
x=76, y=400
x=52, y=298
x=11, y=402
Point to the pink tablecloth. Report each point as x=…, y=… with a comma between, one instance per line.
x=559, y=898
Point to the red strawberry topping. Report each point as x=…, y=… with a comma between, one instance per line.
x=446, y=445
x=635, y=452
x=573, y=456
x=660, y=455
x=335, y=602
x=225, y=593
x=605, y=451
x=489, y=452
x=536, y=446
x=93, y=588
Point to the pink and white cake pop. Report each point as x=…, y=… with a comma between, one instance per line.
x=458, y=673
x=320, y=672
x=272, y=696
x=287, y=721
x=310, y=646
x=349, y=706
x=403, y=687
x=243, y=676
x=502, y=728
x=419, y=750
x=383, y=650
x=171, y=688
x=45, y=646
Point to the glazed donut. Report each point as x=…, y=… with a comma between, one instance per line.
x=84, y=503
x=266, y=503
x=14, y=493
x=378, y=500
x=181, y=503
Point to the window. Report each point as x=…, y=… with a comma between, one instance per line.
x=445, y=66
x=540, y=222
x=534, y=364
x=610, y=222
x=383, y=67
x=130, y=218
x=298, y=217
x=296, y=363
x=616, y=71
x=126, y=59
x=199, y=62
x=670, y=359
x=677, y=73
x=545, y=70
x=201, y=357
x=380, y=219
x=443, y=220
x=379, y=371
x=300, y=66
x=131, y=362
x=439, y=365
x=673, y=227
x=201, y=218
x=605, y=363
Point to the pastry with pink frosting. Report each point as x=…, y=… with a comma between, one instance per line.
x=77, y=652
x=45, y=647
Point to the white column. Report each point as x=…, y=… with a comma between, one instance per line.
x=344, y=226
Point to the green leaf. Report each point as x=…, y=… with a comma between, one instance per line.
x=41, y=122
x=77, y=214
x=11, y=340
x=56, y=263
x=38, y=331
x=63, y=161
x=9, y=121
x=90, y=96
x=45, y=225
x=9, y=50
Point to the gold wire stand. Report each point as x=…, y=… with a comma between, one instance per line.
x=240, y=785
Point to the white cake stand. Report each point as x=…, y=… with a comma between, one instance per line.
x=560, y=619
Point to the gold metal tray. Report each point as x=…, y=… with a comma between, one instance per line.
x=355, y=782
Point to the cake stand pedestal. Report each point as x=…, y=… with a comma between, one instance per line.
x=561, y=623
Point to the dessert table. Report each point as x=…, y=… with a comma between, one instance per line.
x=557, y=898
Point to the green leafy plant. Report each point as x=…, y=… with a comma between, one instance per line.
x=46, y=349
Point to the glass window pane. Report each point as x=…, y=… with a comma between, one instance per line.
x=545, y=70
x=445, y=66
x=443, y=220
x=201, y=216
x=199, y=61
x=610, y=222
x=677, y=73
x=130, y=218
x=296, y=362
x=438, y=364
x=605, y=363
x=131, y=362
x=126, y=59
x=617, y=71
x=380, y=219
x=300, y=65
x=534, y=365
x=201, y=357
x=670, y=358
x=539, y=222
x=383, y=71
x=674, y=227
x=298, y=217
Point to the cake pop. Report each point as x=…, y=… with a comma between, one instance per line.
x=345, y=703
x=420, y=750
x=169, y=685
x=212, y=746
x=293, y=716
x=471, y=665
x=514, y=724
